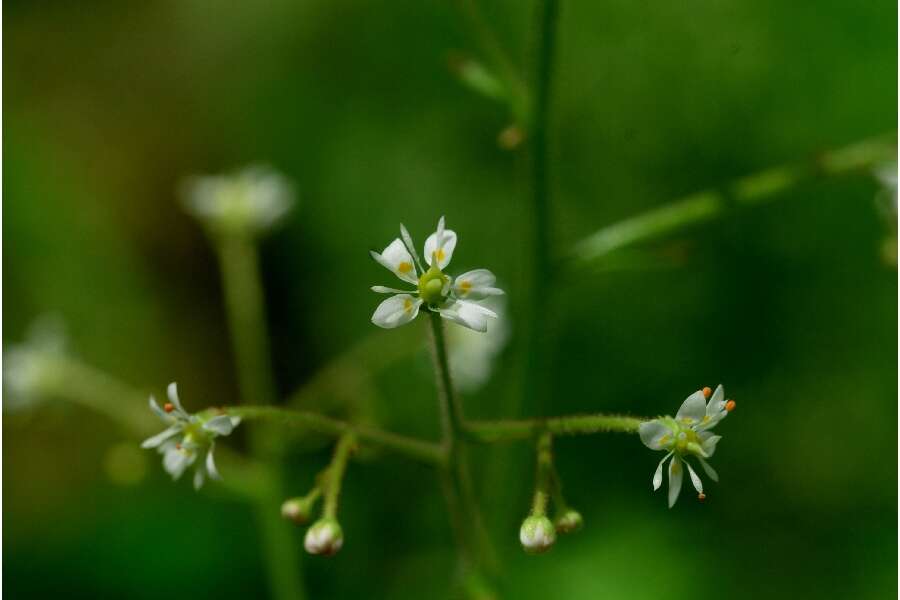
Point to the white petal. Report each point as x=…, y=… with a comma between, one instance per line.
x=693, y=409
x=718, y=395
x=380, y=289
x=468, y=314
x=396, y=311
x=657, y=476
x=695, y=479
x=220, y=424
x=676, y=473
x=442, y=242
x=176, y=460
x=159, y=438
x=160, y=412
x=655, y=435
x=198, y=478
x=396, y=259
x=172, y=391
x=709, y=444
x=211, y=464
x=476, y=285
x=407, y=241
x=709, y=470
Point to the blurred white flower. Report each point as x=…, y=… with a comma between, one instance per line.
x=187, y=437
x=248, y=202
x=456, y=300
x=30, y=372
x=687, y=434
x=472, y=354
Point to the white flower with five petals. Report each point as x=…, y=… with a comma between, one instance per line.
x=687, y=434
x=187, y=437
x=455, y=299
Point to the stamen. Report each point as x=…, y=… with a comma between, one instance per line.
x=701, y=496
x=707, y=392
x=168, y=407
x=729, y=406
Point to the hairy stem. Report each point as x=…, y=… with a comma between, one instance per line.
x=544, y=473
x=499, y=431
x=712, y=203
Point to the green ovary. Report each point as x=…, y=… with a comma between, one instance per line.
x=431, y=285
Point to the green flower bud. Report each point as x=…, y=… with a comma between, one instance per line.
x=324, y=537
x=537, y=534
x=298, y=510
x=570, y=521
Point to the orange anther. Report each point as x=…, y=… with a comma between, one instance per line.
x=168, y=407
x=707, y=392
x=729, y=406
x=701, y=496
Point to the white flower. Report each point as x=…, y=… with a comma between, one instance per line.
x=454, y=299
x=472, y=354
x=250, y=201
x=687, y=435
x=31, y=370
x=187, y=437
x=324, y=537
x=537, y=534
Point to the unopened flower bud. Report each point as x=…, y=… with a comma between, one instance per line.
x=324, y=537
x=569, y=521
x=297, y=510
x=537, y=534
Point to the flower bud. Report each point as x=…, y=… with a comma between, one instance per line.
x=324, y=537
x=297, y=510
x=569, y=521
x=537, y=534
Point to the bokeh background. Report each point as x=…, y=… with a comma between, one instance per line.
x=108, y=105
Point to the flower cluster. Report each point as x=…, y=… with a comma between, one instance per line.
x=687, y=434
x=187, y=437
x=455, y=299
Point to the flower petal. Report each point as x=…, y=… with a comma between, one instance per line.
x=709, y=443
x=476, y=285
x=695, y=479
x=198, y=478
x=396, y=259
x=220, y=425
x=380, y=289
x=176, y=460
x=655, y=435
x=693, y=409
x=676, y=473
x=172, y=392
x=441, y=243
x=468, y=314
x=211, y=464
x=410, y=247
x=657, y=476
x=159, y=438
x=396, y=311
x=160, y=412
x=709, y=470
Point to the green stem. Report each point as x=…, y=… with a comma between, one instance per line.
x=489, y=432
x=239, y=263
x=336, y=470
x=544, y=474
x=420, y=450
x=746, y=191
x=457, y=480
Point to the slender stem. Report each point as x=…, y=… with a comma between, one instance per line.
x=336, y=470
x=239, y=263
x=543, y=476
x=559, y=501
x=451, y=412
x=420, y=450
x=750, y=190
x=489, y=432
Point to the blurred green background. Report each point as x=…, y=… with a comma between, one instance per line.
x=108, y=105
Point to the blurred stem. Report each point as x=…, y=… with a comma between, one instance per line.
x=543, y=475
x=239, y=263
x=489, y=432
x=336, y=471
x=457, y=481
x=713, y=203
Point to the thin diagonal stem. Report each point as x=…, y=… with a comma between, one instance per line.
x=543, y=475
x=335, y=475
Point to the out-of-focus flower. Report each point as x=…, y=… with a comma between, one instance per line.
x=687, y=434
x=249, y=202
x=456, y=300
x=30, y=373
x=324, y=537
x=537, y=534
x=187, y=437
x=472, y=354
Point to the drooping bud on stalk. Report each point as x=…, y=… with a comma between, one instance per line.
x=537, y=534
x=298, y=510
x=325, y=537
x=569, y=522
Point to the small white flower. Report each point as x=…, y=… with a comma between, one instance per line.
x=248, y=202
x=687, y=434
x=324, y=537
x=187, y=437
x=537, y=534
x=456, y=300
x=472, y=354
